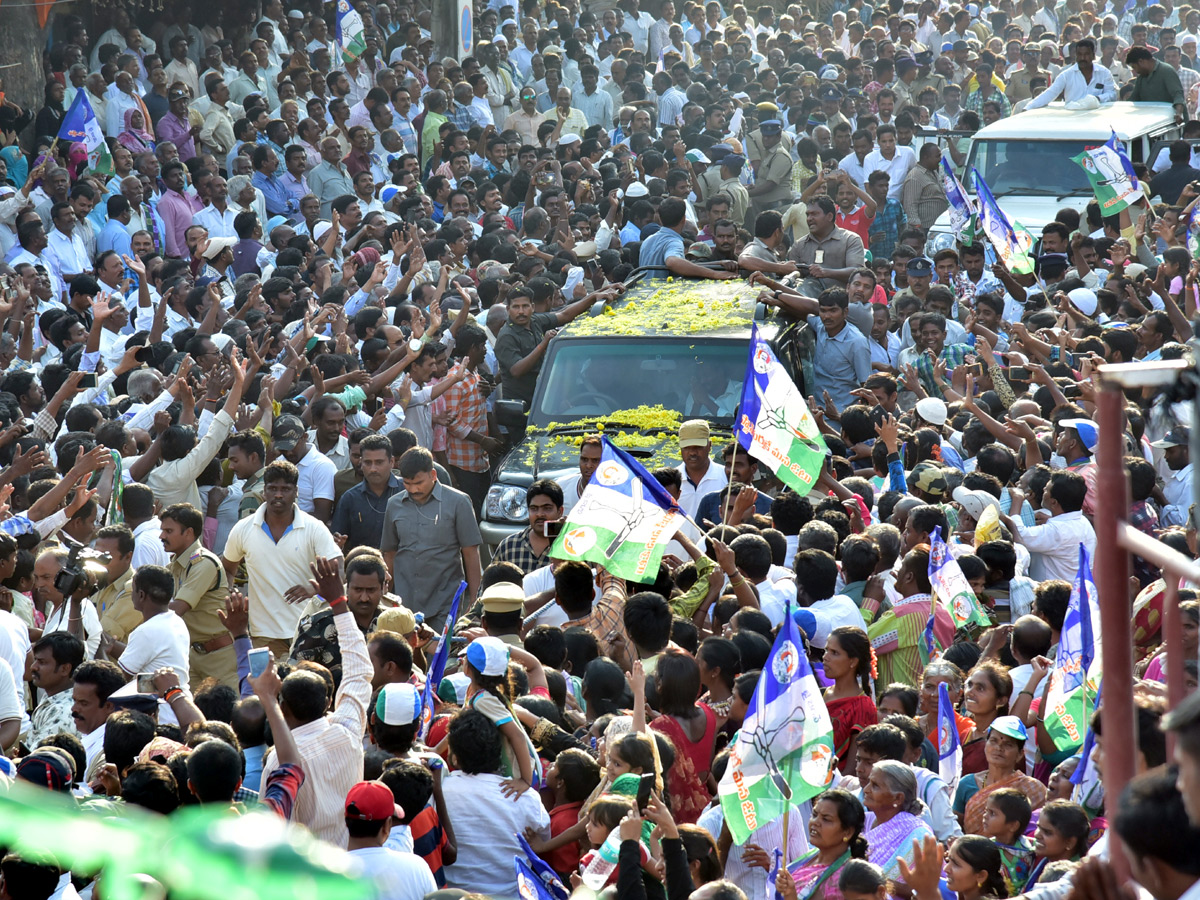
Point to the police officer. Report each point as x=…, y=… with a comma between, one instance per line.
x=831, y=105
x=200, y=590
x=503, y=604
x=709, y=181
x=772, y=186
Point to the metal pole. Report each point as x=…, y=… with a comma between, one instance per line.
x=1112, y=583
x=1173, y=640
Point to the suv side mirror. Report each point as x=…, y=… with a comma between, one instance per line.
x=511, y=413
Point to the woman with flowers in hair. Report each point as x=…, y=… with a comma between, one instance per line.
x=850, y=664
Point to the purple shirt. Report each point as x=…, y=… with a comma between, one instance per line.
x=177, y=211
x=179, y=132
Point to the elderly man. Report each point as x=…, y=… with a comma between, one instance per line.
x=573, y=121
x=330, y=179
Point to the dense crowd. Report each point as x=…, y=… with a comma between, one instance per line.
x=254, y=341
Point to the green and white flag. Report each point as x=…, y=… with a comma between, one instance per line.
x=1111, y=173
x=783, y=755
x=774, y=424
x=623, y=521
x=351, y=38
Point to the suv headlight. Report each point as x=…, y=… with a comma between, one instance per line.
x=938, y=242
x=506, y=503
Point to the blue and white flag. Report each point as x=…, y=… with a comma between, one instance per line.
x=783, y=754
x=961, y=208
x=535, y=874
x=351, y=36
x=1088, y=791
x=80, y=126
x=623, y=521
x=437, y=665
x=950, y=586
x=949, y=747
x=1077, y=664
x=996, y=225
x=1193, y=229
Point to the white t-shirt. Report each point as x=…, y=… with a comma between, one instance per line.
x=773, y=599
x=570, y=489
x=397, y=876
x=58, y=620
x=10, y=704
x=839, y=610
x=316, y=479
x=160, y=641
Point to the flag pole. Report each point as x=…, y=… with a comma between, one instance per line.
x=729, y=487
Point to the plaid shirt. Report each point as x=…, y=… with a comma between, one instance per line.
x=517, y=549
x=607, y=621
x=462, y=117
x=953, y=354
x=975, y=101
x=467, y=402
x=890, y=220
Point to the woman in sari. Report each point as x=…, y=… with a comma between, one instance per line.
x=135, y=137
x=1004, y=749
x=835, y=833
x=937, y=673
x=890, y=794
x=972, y=871
x=691, y=727
x=985, y=699
x=849, y=664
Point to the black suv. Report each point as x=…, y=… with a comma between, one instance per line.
x=629, y=369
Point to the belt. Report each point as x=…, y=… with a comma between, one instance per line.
x=213, y=644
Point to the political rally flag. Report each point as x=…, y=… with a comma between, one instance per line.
x=774, y=424
x=80, y=126
x=783, y=755
x=949, y=747
x=351, y=37
x=623, y=521
x=961, y=210
x=950, y=586
x=1088, y=792
x=437, y=666
x=1077, y=664
x=535, y=878
x=1111, y=175
x=999, y=230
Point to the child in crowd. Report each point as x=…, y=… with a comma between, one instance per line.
x=572, y=777
x=1062, y=834
x=1005, y=819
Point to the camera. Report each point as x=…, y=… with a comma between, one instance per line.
x=84, y=567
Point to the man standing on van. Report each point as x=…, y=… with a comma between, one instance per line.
x=1156, y=82
x=1084, y=79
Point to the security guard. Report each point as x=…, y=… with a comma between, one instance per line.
x=200, y=590
x=114, y=602
x=772, y=186
x=503, y=607
x=739, y=200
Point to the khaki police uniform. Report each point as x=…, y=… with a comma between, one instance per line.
x=115, y=606
x=777, y=167
x=200, y=583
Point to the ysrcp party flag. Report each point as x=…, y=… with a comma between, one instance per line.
x=1077, y=663
x=949, y=746
x=1111, y=174
x=351, y=38
x=950, y=585
x=961, y=208
x=80, y=126
x=623, y=521
x=774, y=424
x=437, y=668
x=996, y=227
x=784, y=751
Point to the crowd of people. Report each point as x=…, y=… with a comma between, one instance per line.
x=251, y=356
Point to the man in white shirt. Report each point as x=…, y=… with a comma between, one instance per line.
x=890, y=158
x=315, y=494
x=1054, y=546
x=370, y=812
x=1084, y=79
x=161, y=641
x=486, y=820
x=573, y=485
x=65, y=247
x=95, y=682
x=1176, y=492
x=701, y=476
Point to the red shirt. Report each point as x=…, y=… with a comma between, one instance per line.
x=565, y=859
x=857, y=221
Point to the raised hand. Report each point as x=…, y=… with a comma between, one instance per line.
x=236, y=614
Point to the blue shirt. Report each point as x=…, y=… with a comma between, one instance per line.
x=113, y=236
x=275, y=194
x=664, y=244
x=841, y=363
x=711, y=505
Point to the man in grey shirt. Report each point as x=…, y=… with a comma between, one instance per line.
x=430, y=540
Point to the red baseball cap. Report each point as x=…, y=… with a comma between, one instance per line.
x=371, y=801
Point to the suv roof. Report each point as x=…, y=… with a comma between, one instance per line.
x=1056, y=123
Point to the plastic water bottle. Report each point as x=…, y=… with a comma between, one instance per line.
x=604, y=863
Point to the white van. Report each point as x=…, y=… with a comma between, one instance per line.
x=1026, y=159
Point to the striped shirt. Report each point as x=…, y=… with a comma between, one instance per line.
x=331, y=747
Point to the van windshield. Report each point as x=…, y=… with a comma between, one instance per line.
x=695, y=377
x=1030, y=167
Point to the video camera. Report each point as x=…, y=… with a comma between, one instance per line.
x=84, y=567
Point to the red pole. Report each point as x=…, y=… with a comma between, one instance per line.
x=1111, y=570
x=1171, y=626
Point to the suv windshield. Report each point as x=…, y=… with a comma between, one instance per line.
x=694, y=377
x=1031, y=167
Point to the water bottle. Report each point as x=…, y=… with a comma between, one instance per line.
x=603, y=863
